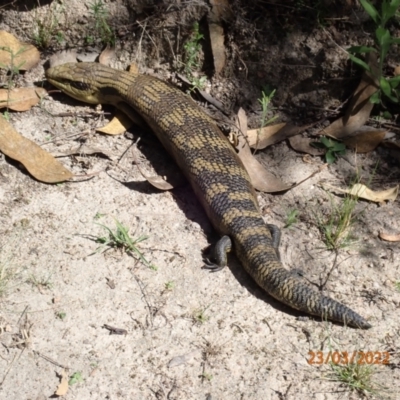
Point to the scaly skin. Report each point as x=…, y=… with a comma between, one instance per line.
x=215, y=172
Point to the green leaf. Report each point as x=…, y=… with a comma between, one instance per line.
x=396, y=40
x=375, y=98
x=389, y=10
x=385, y=86
x=330, y=157
x=338, y=146
x=384, y=40
x=76, y=377
x=326, y=142
x=371, y=10
x=394, y=82
x=360, y=62
x=360, y=49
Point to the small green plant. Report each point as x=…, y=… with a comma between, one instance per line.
x=192, y=49
x=99, y=215
x=397, y=285
x=291, y=218
x=100, y=15
x=200, y=317
x=6, y=116
x=169, y=285
x=383, y=42
x=41, y=282
x=60, y=37
x=47, y=26
x=61, y=315
x=207, y=376
x=75, y=378
x=120, y=238
x=356, y=376
x=333, y=148
x=13, y=68
x=266, y=96
x=337, y=226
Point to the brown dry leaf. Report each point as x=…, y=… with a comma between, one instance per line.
x=217, y=46
x=365, y=139
x=271, y=134
x=40, y=164
x=363, y=192
x=62, y=388
x=62, y=57
x=359, y=108
x=107, y=55
x=261, y=179
x=118, y=125
x=397, y=70
x=21, y=99
x=25, y=56
x=218, y=10
x=303, y=144
x=133, y=68
x=389, y=238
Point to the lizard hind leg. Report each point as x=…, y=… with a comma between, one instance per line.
x=219, y=255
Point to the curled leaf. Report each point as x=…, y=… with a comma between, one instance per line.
x=40, y=164
x=363, y=192
x=117, y=126
x=15, y=54
x=62, y=388
x=21, y=99
x=365, y=140
x=389, y=238
x=261, y=179
x=359, y=107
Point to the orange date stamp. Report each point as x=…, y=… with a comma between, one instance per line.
x=344, y=357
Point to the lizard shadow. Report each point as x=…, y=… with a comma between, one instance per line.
x=186, y=200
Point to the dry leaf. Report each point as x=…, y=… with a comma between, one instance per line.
x=62, y=388
x=40, y=164
x=271, y=134
x=23, y=56
x=397, y=70
x=218, y=8
x=21, y=99
x=118, y=125
x=133, y=68
x=217, y=46
x=365, y=139
x=257, y=137
x=261, y=179
x=389, y=238
x=107, y=55
x=359, y=108
x=63, y=57
x=303, y=144
x=363, y=192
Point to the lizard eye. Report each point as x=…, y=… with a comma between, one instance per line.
x=80, y=85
